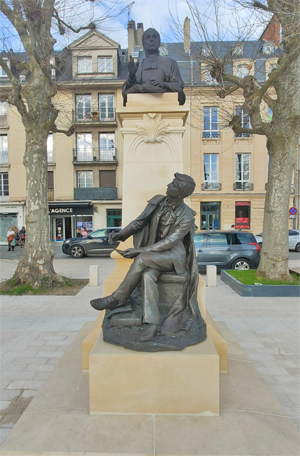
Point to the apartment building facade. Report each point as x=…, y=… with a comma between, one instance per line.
x=85, y=169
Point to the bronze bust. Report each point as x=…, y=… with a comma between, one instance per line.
x=155, y=73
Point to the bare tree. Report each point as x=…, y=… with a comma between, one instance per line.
x=280, y=92
x=34, y=22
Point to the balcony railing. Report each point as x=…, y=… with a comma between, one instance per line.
x=210, y=134
x=243, y=135
x=95, y=155
x=3, y=158
x=211, y=186
x=96, y=193
x=94, y=115
x=243, y=186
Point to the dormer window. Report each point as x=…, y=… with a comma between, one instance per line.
x=207, y=50
x=242, y=71
x=238, y=49
x=105, y=65
x=84, y=65
x=268, y=48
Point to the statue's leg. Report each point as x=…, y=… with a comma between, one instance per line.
x=150, y=296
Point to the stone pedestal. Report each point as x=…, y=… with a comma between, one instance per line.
x=126, y=381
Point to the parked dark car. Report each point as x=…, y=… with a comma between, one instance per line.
x=227, y=250
x=94, y=243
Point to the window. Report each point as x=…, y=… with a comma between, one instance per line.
x=3, y=108
x=242, y=71
x=50, y=186
x=210, y=169
x=107, y=179
x=3, y=149
x=199, y=240
x=99, y=234
x=207, y=76
x=245, y=121
x=107, y=146
x=85, y=179
x=242, y=171
x=211, y=122
x=219, y=239
x=242, y=217
x=83, y=107
x=106, y=107
x=53, y=69
x=50, y=148
x=84, y=147
x=84, y=65
x=105, y=65
x=2, y=72
x=4, y=186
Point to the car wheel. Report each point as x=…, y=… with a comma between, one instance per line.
x=76, y=251
x=241, y=264
x=298, y=247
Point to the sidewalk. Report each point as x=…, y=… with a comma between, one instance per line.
x=36, y=331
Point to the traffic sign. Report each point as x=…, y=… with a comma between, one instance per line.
x=292, y=210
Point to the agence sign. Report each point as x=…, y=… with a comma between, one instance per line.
x=61, y=210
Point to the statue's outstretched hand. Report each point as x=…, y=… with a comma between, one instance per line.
x=132, y=67
x=130, y=253
x=114, y=237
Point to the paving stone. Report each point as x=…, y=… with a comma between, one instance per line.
x=4, y=433
x=4, y=405
x=28, y=394
x=8, y=395
x=9, y=420
x=25, y=384
x=49, y=354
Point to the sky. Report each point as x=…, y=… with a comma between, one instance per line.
x=152, y=13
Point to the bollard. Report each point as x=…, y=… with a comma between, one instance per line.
x=211, y=275
x=94, y=275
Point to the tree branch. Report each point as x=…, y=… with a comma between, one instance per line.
x=69, y=132
x=91, y=26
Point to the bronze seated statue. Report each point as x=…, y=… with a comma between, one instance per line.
x=155, y=307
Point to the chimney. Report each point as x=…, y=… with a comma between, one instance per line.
x=138, y=35
x=131, y=37
x=187, y=35
x=272, y=32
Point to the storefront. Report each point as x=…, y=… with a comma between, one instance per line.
x=210, y=216
x=10, y=214
x=66, y=217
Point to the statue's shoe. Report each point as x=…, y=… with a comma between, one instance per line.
x=149, y=332
x=109, y=302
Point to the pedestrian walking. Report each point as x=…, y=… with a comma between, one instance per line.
x=83, y=231
x=78, y=234
x=11, y=239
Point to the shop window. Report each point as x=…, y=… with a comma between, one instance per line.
x=3, y=149
x=4, y=187
x=107, y=107
x=107, y=146
x=84, y=65
x=211, y=122
x=84, y=150
x=85, y=179
x=114, y=217
x=242, y=215
x=105, y=64
x=107, y=179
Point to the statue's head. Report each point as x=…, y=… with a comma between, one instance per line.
x=181, y=186
x=151, y=40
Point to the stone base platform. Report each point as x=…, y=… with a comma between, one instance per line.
x=58, y=422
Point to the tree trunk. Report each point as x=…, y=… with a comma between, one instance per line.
x=275, y=250
x=36, y=264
